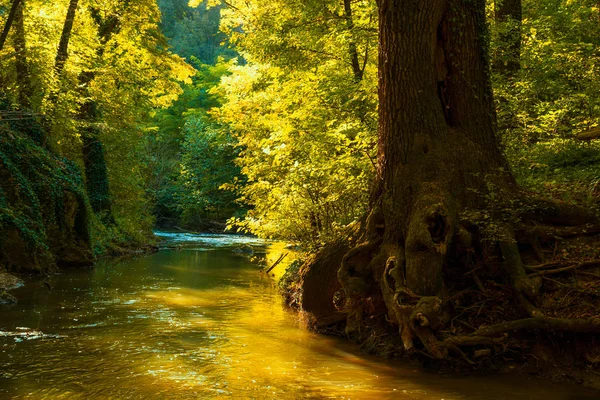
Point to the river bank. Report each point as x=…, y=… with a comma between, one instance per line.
x=560, y=346
x=9, y=281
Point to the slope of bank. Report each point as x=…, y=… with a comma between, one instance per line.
x=44, y=211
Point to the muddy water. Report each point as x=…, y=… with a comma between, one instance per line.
x=199, y=321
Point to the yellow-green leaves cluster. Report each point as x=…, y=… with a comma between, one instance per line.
x=134, y=74
x=306, y=127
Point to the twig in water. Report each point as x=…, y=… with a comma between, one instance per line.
x=281, y=257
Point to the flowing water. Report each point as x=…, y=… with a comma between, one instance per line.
x=199, y=321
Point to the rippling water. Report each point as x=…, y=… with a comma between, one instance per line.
x=202, y=322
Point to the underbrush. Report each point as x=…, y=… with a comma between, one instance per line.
x=45, y=215
x=290, y=286
x=560, y=169
x=120, y=238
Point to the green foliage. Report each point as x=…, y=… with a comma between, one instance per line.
x=193, y=32
x=305, y=125
x=555, y=95
x=207, y=164
x=289, y=284
x=184, y=166
x=133, y=74
x=557, y=91
x=288, y=130
x=191, y=155
x=563, y=169
x=33, y=186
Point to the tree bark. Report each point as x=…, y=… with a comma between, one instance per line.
x=435, y=107
x=63, y=46
x=508, y=58
x=9, y=22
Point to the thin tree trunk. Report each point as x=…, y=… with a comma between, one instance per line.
x=62, y=54
x=508, y=57
x=21, y=64
x=63, y=47
x=9, y=22
x=356, y=69
x=93, y=153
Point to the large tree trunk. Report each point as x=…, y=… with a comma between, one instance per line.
x=9, y=21
x=439, y=165
x=435, y=107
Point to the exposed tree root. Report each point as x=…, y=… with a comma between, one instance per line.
x=526, y=289
x=563, y=266
x=376, y=269
x=557, y=214
x=436, y=278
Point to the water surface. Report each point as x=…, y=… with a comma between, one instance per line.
x=198, y=320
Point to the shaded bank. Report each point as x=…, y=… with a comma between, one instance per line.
x=44, y=213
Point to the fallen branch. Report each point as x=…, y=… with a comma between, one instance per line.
x=588, y=135
x=554, y=271
x=186, y=231
x=564, y=269
x=484, y=336
x=471, y=340
x=547, y=265
x=545, y=323
x=280, y=259
x=589, y=274
x=547, y=233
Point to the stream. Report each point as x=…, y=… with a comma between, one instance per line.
x=198, y=320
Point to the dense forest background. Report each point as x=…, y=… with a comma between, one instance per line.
x=262, y=114
x=297, y=111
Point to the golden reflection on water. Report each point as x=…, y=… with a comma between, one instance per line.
x=203, y=324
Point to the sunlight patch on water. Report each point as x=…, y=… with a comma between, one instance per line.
x=190, y=297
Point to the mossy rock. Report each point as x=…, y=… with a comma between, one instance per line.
x=8, y=281
x=7, y=298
